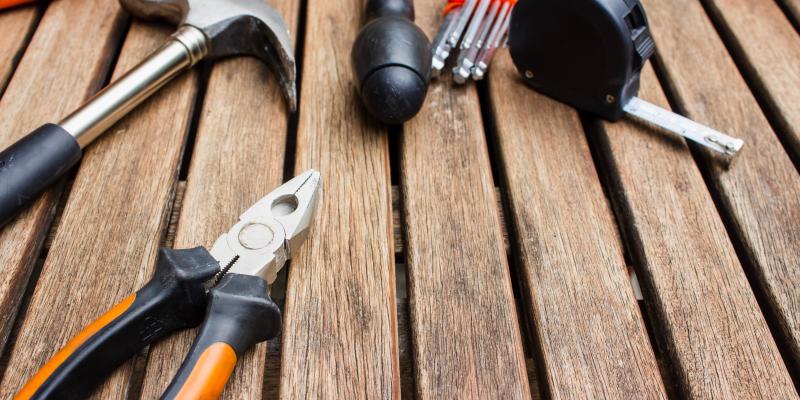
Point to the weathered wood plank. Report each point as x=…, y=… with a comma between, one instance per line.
x=340, y=332
x=713, y=328
x=769, y=48
x=760, y=191
x=15, y=26
x=455, y=252
x=397, y=231
x=587, y=323
x=238, y=158
x=65, y=62
x=113, y=221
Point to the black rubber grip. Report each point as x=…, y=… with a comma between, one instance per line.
x=390, y=8
x=174, y=299
x=391, y=58
x=31, y=165
x=240, y=314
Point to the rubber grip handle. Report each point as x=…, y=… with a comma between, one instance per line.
x=173, y=299
x=29, y=166
x=240, y=314
x=390, y=8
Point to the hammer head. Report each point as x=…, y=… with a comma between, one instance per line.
x=233, y=28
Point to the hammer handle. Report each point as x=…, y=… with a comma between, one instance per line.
x=31, y=165
x=186, y=47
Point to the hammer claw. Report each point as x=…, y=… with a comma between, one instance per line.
x=232, y=28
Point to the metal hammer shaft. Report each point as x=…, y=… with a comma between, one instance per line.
x=39, y=159
x=186, y=47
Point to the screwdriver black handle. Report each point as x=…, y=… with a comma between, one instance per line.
x=29, y=166
x=173, y=299
x=391, y=58
x=390, y=8
x=240, y=314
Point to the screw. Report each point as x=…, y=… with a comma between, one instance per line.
x=529, y=74
x=610, y=99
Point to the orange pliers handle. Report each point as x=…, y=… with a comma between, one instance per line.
x=12, y=3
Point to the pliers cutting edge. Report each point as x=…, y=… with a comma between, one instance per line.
x=227, y=289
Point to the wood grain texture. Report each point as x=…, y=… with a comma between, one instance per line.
x=587, y=324
x=455, y=251
x=718, y=341
x=16, y=25
x=115, y=216
x=238, y=158
x=340, y=333
x=760, y=191
x=64, y=63
x=768, y=48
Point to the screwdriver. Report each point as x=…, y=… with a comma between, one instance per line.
x=497, y=38
x=589, y=54
x=475, y=28
x=466, y=58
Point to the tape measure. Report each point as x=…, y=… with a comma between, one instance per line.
x=589, y=54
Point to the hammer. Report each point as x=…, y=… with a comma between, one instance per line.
x=206, y=29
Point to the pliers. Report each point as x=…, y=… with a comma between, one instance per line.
x=226, y=288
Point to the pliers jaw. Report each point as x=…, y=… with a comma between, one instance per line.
x=269, y=232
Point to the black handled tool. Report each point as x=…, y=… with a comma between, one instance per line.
x=238, y=311
x=589, y=54
x=392, y=61
x=29, y=166
x=207, y=29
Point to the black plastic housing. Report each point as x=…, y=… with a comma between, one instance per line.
x=391, y=59
x=586, y=53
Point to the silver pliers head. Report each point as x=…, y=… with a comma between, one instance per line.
x=271, y=231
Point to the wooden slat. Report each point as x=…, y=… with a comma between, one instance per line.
x=760, y=191
x=15, y=26
x=65, y=62
x=397, y=234
x=769, y=48
x=695, y=285
x=116, y=213
x=587, y=323
x=340, y=324
x=238, y=158
x=455, y=251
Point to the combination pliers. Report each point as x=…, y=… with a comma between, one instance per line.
x=226, y=288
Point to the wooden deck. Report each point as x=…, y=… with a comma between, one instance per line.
x=491, y=248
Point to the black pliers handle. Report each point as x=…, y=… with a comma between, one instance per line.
x=240, y=314
x=236, y=311
x=174, y=299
